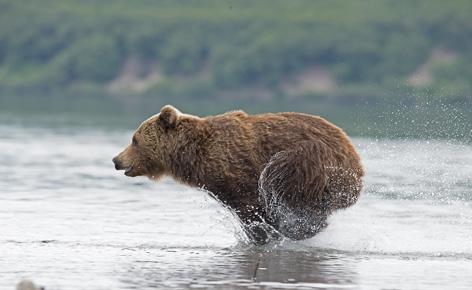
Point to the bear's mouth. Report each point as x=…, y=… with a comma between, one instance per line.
x=128, y=170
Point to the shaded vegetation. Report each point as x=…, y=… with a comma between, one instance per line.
x=236, y=49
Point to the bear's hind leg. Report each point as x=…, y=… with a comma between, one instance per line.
x=293, y=190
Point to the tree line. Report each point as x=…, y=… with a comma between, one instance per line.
x=207, y=48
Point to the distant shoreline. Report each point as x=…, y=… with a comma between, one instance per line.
x=414, y=119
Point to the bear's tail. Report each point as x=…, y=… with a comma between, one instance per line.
x=300, y=187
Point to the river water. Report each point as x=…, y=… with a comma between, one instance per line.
x=68, y=220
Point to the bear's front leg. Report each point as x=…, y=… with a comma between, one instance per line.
x=255, y=227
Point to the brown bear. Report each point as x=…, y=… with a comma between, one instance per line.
x=282, y=174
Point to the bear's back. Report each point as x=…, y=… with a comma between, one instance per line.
x=282, y=131
x=267, y=134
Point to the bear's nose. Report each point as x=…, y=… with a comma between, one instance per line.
x=118, y=165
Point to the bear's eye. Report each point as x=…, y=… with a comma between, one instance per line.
x=134, y=141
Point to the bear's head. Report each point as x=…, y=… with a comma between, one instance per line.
x=152, y=145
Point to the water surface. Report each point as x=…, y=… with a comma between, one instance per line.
x=68, y=220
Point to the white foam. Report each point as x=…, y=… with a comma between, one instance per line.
x=404, y=227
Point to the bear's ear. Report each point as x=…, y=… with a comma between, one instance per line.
x=168, y=117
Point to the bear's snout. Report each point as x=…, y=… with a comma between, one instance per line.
x=118, y=163
x=123, y=165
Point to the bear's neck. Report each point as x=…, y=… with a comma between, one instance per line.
x=186, y=159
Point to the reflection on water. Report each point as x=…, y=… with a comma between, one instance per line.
x=69, y=221
x=242, y=269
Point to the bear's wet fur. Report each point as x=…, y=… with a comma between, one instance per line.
x=281, y=174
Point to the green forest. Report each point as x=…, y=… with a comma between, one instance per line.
x=326, y=50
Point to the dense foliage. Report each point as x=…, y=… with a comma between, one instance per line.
x=210, y=48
